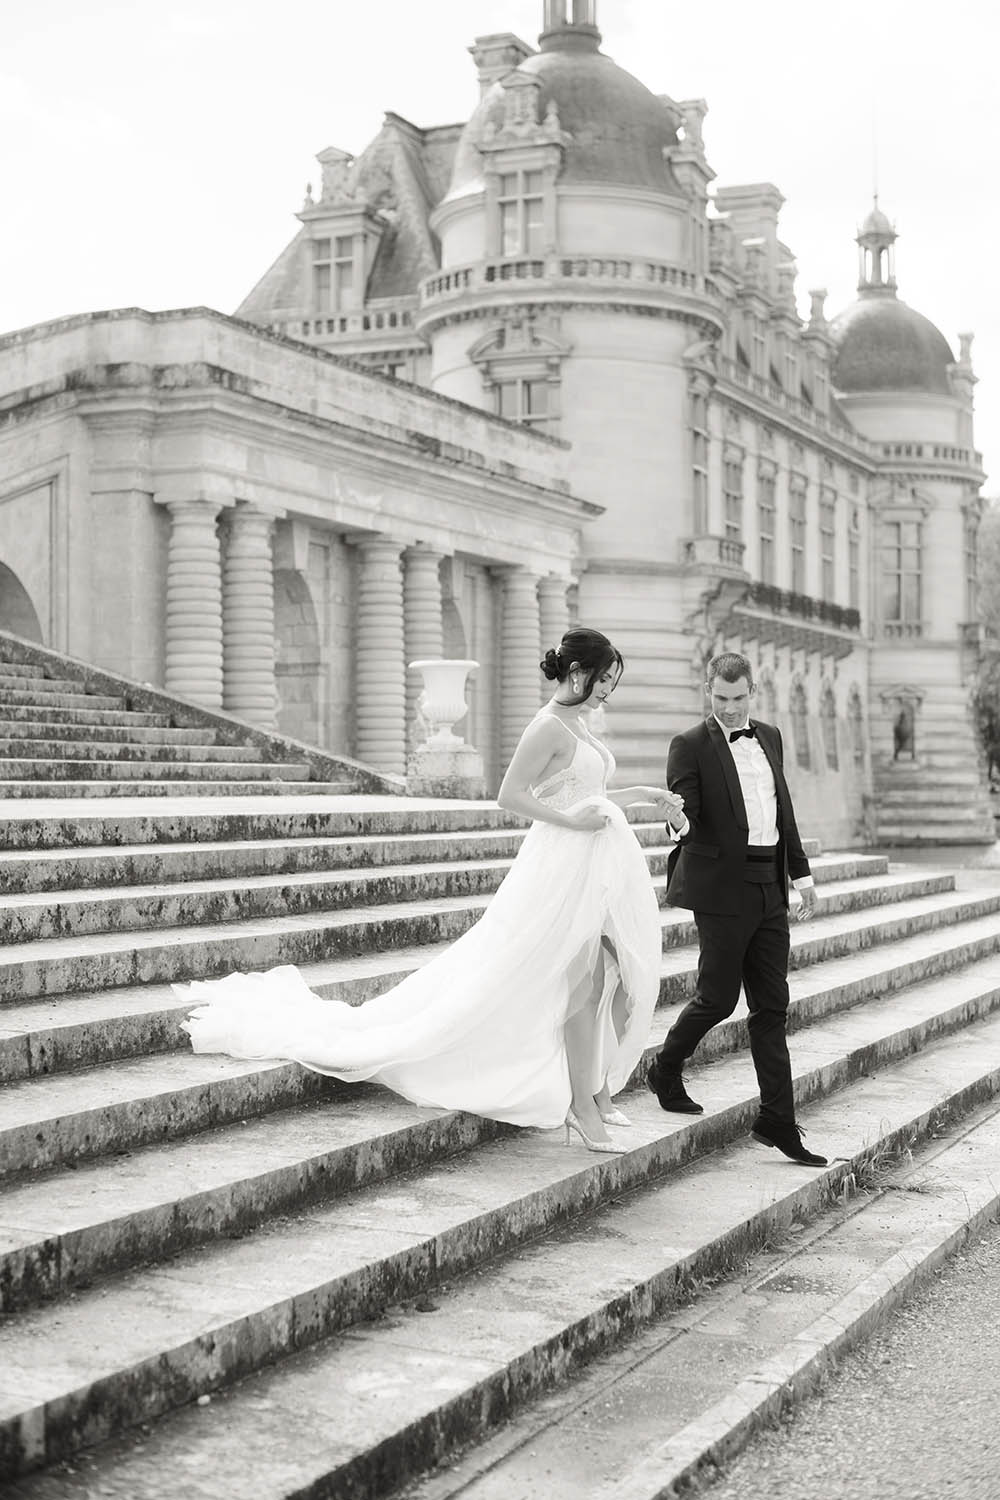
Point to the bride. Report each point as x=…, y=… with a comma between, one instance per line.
x=539, y=1013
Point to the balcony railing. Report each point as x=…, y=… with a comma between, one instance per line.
x=767, y=390
x=902, y=630
x=634, y=271
x=714, y=550
x=803, y=607
x=933, y=453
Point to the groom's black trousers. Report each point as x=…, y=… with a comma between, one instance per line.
x=750, y=948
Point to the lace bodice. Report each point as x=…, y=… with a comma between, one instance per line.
x=586, y=775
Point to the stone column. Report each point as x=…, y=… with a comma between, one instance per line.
x=520, y=654
x=194, y=603
x=423, y=631
x=554, y=616
x=249, y=686
x=380, y=662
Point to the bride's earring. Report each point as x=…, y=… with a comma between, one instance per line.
x=574, y=683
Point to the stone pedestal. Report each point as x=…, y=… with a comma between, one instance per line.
x=444, y=765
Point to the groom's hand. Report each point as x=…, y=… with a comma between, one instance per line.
x=807, y=904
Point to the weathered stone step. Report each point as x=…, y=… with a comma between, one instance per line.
x=119, y=752
x=72, y=913
x=57, y=697
x=109, y=1214
x=938, y=802
x=43, y=687
x=105, y=960
x=176, y=787
x=20, y=669
x=40, y=870
x=60, y=733
x=70, y=769
x=188, y=819
x=121, y=718
x=216, y=1314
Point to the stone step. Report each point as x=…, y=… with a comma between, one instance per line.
x=62, y=965
x=39, y=871
x=907, y=835
x=219, y=1313
x=61, y=697
x=120, y=718
x=66, y=912
x=108, y=734
x=943, y=796
x=19, y=748
x=190, y=819
x=230, y=1179
x=176, y=787
x=20, y=669
x=149, y=770
x=44, y=687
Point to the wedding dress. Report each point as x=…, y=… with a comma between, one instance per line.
x=480, y=1026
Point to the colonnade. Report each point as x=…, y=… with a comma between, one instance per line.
x=220, y=643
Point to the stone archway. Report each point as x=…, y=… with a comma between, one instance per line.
x=298, y=659
x=17, y=613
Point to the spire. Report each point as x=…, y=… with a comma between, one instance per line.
x=570, y=26
x=876, y=262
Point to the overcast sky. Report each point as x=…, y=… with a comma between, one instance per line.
x=153, y=152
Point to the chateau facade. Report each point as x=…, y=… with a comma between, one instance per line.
x=533, y=367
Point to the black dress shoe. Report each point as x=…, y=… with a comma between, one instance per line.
x=670, y=1091
x=787, y=1138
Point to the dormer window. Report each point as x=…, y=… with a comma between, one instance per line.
x=334, y=283
x=521, y=208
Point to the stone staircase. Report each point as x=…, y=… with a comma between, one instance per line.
x=71, y=730
x=228, y=1279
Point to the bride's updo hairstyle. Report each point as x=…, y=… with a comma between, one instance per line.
x=592, y=652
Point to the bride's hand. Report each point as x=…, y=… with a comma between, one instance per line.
x=666, y=802
x=587, y=819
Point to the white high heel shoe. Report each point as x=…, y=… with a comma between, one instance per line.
x=572, y=1123
x=614, y=1117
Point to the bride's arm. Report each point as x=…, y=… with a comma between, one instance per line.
x=667, y=804
x=539, y=746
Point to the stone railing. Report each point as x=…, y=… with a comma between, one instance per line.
x=902, y=630
x=714, y=550
x=380, y=324
x=634, y=272
x=932, y=453
x=757, y=385
x=803, y=606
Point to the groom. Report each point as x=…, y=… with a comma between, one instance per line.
x=737, y=847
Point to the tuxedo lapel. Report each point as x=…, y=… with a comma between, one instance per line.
x=718, y=742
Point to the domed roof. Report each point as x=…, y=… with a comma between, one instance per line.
x=883, y=345
x=618, y=127
x=878, y=223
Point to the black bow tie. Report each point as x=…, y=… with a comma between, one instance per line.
x=734, y=734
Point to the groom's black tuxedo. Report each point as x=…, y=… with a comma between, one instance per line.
x=705, y=870
x=740, y=905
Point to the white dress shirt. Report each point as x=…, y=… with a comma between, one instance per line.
x=759, y=796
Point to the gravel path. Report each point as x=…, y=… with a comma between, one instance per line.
x=914, y=1414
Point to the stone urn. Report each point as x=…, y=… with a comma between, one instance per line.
x=442, y=763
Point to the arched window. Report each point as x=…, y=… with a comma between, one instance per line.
x=856, y=726
x=828, y=720
x=799, y=715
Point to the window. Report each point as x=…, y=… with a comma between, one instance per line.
x=524, y=400
x=699, y=459
x=854, y=561
x=521, y=208
x=901, y=583
x=333, y=273
x=797, y=535
x=799, y=714
x=732, y=492
x=827, y=540
x=766, y=524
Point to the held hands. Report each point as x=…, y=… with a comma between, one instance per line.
x=669, y=805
